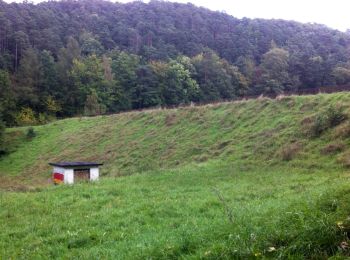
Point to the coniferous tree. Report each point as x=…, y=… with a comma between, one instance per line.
x=124, y=67
x=48, y=84
x=68, y=94
x=7, y=99
x=147, y=92
x=29, y=76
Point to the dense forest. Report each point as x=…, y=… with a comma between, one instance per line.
x=66, y=58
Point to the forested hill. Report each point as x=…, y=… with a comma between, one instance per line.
x=162, y=30
x=89, y=57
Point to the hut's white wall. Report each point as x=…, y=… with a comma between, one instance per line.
x=94, y=174
x=68, y=176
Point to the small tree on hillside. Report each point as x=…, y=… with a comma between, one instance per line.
x=92, y=106
x=26, y=117
x=52, y=106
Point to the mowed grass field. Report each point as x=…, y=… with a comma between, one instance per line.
x=250, y=179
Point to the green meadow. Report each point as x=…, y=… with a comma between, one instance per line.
x=243, y=180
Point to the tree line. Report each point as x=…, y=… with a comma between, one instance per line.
x=93, y=84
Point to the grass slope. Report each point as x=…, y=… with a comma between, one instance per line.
x=241, y=180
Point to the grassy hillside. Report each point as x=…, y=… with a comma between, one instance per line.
x=253, y=131
x=258, y=178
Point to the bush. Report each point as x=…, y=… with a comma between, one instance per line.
x=327, y=119
x=332, y=148
x=288, y=152
x=342, y=131
x=318, y=126
x=26, y=117
x=30, y=133
x=335, y=116
x=44, y=118
x=344, y=159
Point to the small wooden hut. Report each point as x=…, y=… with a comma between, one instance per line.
x=70, y=172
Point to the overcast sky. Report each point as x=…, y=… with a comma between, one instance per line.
x=333, y=13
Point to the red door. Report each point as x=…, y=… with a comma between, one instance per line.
x=58, y=178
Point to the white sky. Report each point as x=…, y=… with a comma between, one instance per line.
x=333, y=13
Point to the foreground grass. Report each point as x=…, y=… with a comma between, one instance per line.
x=210, y=210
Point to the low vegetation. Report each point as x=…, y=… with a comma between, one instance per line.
x=330, y=117
x=231, y=180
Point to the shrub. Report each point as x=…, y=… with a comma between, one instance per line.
x=344, y=159
x=318, y=126
x=342, y=131
x=327, y=119
x=335, y=116
x=30, y=133
x=44, y=118
x=26, y=117
x=332, y=148
x=92, y=106
x=289, y=152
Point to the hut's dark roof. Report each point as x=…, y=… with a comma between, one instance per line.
x=75, y=164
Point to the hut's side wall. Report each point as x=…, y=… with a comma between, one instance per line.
x=68, y=176
x=94, y=174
